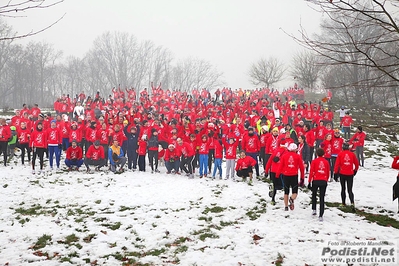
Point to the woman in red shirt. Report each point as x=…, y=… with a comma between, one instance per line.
x=318, y=177
x=346, y=167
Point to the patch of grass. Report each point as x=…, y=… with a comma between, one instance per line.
x=97, y=202
x=89, y=238
x=215, y=209
x=380, y=219
x=204, y=236
x=280, y=259
x=71, y=239
x=223, y=224
x=204, y=218
x=114, y=226
x=100, y=219
x=5, y=185
x=181, y=249
x=156, y=252
x=34, y=210
x=41, y=242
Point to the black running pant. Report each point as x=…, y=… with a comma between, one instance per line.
x=322, y=186
x=346, y=180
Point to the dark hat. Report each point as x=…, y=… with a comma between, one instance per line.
x=97, y=143
x=153, y=130
x=74, y=141
x=360, y=128
x=41, y=115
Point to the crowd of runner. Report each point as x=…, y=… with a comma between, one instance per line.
x=193, y=133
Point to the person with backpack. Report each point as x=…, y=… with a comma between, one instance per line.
x=291, y=163
x=319, y=175
x=346, y=166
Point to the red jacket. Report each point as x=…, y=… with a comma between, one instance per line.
x=310, y=137
x=250, y=144
x=273, y=166
x=320, y=132
x=186, y=149
x=395, y=163
x=142, y=149
x=203, y=147
x=244, y=163
x=358, y=139
x=218, y=150
x=346, y=163
x=290, y=163
x=91, y=134
x=74, y=153
x=75, y=135
x=327, y=147
x=263, y=139
x=54, y=136
x=102, y=136
x=336, y=145
x=319, y=170
x=5, y=133
x=272, y=144
x=95, y=154
x=38, y=139
x=23, y=135
x=346, y=121
x=231, y=149
x=174, y=154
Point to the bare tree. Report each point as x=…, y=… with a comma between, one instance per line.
x=22, y=9
x=305, y=69
x=266, y=72
x=191, y=73
x=363, y=36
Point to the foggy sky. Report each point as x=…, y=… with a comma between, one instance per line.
x=231, y=34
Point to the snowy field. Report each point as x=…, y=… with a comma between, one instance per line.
x=159, y=219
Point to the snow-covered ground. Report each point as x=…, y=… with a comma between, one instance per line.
x=159, y=219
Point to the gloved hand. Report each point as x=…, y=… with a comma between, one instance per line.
x=336, y=177
x=74, y=160
x=60, y=146
x=310, y=185
x=301, y=183
x=266, y=174
x=354, y=172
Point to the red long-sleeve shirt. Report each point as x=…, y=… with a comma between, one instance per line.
x=244, y=163
x=250, y=144
x=271, y=164
x=290, y=163
x=346, y=163
x=319, y=170
x=74, y=153
x=95, y=154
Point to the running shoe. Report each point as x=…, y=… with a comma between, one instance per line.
x=291, y=201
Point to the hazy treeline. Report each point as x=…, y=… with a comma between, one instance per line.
x=38, y=72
